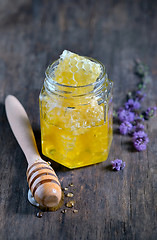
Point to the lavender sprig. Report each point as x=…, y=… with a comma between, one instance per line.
x=138, y=127
x=139, y=95
x=140, y=140
x=141, y=69
x=125, y=115
x=131, y=116
x=125, y=128
x=149, y=113
x=132, y=105
x=118, y=164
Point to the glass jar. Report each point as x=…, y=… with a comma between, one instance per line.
x=76, y=122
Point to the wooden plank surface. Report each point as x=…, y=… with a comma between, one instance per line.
x=112, y=205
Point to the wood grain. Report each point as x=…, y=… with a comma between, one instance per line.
x=112, y=205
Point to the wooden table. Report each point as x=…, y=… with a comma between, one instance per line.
x=112, y=205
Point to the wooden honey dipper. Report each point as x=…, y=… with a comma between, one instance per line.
x=42, y=180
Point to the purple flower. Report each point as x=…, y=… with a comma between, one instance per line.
x=125, y=115
x=132, y=105
x=149, y=112
x=138, y=127
x=140, y=96
x=118, y=164
x=125, y=128
x=140, y=140
x=138, y=119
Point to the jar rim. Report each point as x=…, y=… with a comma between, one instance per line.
x=99, y=80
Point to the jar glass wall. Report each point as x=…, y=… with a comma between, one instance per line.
x=76, y=122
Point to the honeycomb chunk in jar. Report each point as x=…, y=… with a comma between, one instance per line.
x=76, y=119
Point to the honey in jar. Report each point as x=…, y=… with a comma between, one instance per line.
x=76, y=111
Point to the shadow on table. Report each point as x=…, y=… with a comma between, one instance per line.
x=128, y=146
x=13, y=169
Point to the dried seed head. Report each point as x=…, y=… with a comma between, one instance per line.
x=69, y=194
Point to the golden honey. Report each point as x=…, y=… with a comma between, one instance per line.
x=76, y=112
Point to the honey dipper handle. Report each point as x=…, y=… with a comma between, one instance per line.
x=21, y=128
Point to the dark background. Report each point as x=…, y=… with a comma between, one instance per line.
x=112, y=205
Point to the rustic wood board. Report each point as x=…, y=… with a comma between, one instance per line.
x=112, y=205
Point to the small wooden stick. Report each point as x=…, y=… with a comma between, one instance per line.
x=42, y=180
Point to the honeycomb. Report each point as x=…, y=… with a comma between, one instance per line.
x=75, y=70
x=76, y=131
